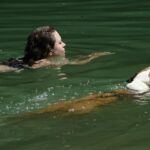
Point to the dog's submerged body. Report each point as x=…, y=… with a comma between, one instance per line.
x=137, y=86
x=85, y=104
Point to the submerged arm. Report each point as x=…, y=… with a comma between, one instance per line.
x=88, y=58
x=4, y=68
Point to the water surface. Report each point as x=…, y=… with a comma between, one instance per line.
x=87, y=26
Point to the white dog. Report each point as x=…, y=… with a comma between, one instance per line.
x=140, y=83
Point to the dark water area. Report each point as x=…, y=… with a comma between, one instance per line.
x=117, y=26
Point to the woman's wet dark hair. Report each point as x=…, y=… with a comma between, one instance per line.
x=39, y=44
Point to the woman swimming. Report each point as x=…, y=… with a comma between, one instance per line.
x=44, y=47
x=42, y=43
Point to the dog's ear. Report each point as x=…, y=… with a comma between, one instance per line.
x=131, y=79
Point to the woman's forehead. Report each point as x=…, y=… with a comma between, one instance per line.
x=56, y=35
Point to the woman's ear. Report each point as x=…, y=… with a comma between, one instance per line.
x=53, y=51
x=50, y=54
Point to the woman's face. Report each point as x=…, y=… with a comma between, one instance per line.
x=59, y=46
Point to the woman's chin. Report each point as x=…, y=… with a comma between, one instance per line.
x=60, y=55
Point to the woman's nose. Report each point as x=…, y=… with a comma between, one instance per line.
x=64, y=44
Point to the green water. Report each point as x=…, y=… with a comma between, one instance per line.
x=87, y=26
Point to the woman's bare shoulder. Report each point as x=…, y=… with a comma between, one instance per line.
x=41, y=63
x=50, y=62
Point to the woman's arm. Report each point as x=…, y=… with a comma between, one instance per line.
x=88, y=58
